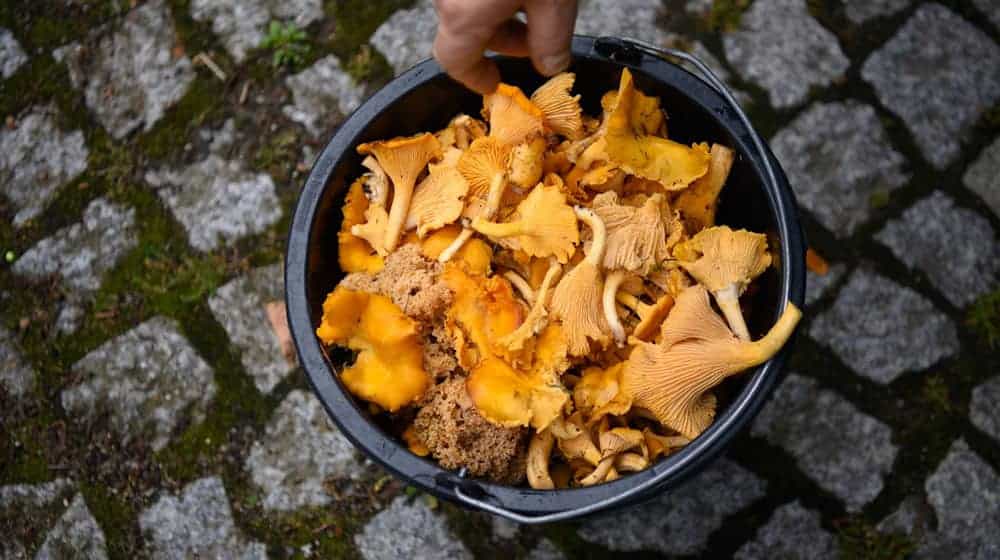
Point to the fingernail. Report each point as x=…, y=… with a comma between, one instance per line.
x=555, y=63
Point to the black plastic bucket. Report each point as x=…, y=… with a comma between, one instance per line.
x=424, y=98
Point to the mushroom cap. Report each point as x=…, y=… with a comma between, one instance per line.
x=672, y=379
x=474, y=257
x=376, y=182
x=719, y=257
x=599, y=393
x=637, y=237
x=526, y=163
x=461, y=131
x=482, y=312
x=576, y=302
x=697, y=203
x=631, y=144
x=355, y=254
x=513, y=117
x=561, y=111
x=537, y=317
x=542, y=226
x=374, y=229
x=652, y=318
x=437, y=201
x=619, y=440
x=404, y=158
x=389, y=368
x=485, y=160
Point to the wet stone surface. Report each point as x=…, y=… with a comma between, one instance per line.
x=912, y=519
x=924, y=237
x=781, y=47
x=217, y=201
x=75, y=535
x=409, y=529
x=131, y=75
x=984, y=408
x=839, y=447
x=240, y=307
x=12, y=56
x=989, y=7
x=817, y=286
x=681, y=521
x=82, y=253
x=407, y=37
x=150, y=382
x=792, y=532
x=546, y=550
x=32, y=509
x=16, y=375
x=983, y=176
x=323, y=94
x=621, y=18
x=300, y=451
x=36, y=158
x=837, y=156
x=196, y=524
x=964, y=492
x=242, y=24
x=924, y=75
x=860, y=11
x=881, y=329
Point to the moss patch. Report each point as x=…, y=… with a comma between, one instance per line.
x=725, y=15
x=983, y=317
x=861, y=541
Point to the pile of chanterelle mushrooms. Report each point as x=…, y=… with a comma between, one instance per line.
x=531, y=296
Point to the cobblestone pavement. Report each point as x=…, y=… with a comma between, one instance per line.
x=151, y=155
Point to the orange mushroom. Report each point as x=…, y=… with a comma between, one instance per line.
x=537, y=317
x=354, y=254
x=599, y=393
x=576, y=301
x=650, y=316
x=542, y=226
x=475, y=256
x=671, y=379
x=484, y=167
x=697, y=203
x=389, y=368
x=438, y=200
x=513, y=117
x=561, y=111
x=402, y=159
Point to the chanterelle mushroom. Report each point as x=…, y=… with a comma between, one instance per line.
x=438, y=200
x=537, y=318
x=389, y=368
x=402, y=159
x=697, y=352
x=599, y=393
x=560, y=109
x=484, y=167
x=638, y=239
x=354, y=254
x=526, y=163
x=698, y=202
x=633, y=147
x=726, y=261
x=577, y=298
x=513, y=117
x=543, y=225
x=539, y=451
x=650, y=316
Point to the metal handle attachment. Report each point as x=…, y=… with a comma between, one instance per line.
x=625, y=50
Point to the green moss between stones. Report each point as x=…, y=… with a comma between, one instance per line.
x=725, y=15
x=983, y=317
x=116, y=518
x=861, y=541
x=204, y=102
x=936, y=393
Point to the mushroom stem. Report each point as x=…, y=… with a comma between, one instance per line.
x=599, y=473
x=611, y=284
x=630, y=301
x=456, y=245
x=728, y=299
x=537, y=468
x=493, y=199
x=600, y=241
x=397, y=216
x=494, y=229
x=762, y=350
x=630, y=462
x=521, y=284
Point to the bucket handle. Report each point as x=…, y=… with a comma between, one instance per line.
x=621, y=49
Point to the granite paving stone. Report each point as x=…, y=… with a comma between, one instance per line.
x=938, y=73
x=240, y=307
x=409, y=529
x=407, y=37
x=198, y=523
x=781, y=47
x=984, y=408
x=75, y=535
x=679, y=522
x=956, y=247
x=150, y=382
x=131, y=76
x=840, y=448
x=300, y=451
x=635, y=19
x=16, y=375
x=323, y=94
x=860, y=11
x=817, y=286
x=837, y=155
x=217, y=201
x=80, y=254
x=989, y=7
x=242, y=24
x=12, y=56
x=881, y=329
x=36, y=158
x=964, y=492
x=546, y=550
x=983, y=176
x=504, y=529
x=911, y=518
x=792, y=532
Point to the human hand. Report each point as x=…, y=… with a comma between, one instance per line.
x=468, y=27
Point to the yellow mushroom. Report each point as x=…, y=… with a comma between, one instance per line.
x=650, y=316
x=671, y=379
x=389, y=368
x=509, y=397
x=630, y=462
x=526, y=164
x=537, y=317
x=353, y=253
x=522, y=285
x=580, y=447
x=725, y=261
x=662, y=445
x=513, y=117
x=611, y=283
x=474, y=257
x=542, y=226
x=402, y=159
x=600, y=472
x=637, y=236
x=576, y=301
x=460, y=132
x=484, y=167
x=537, y=468
x=438, y=200
x=698, y=202
x=633, y=147
x=561, y=111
